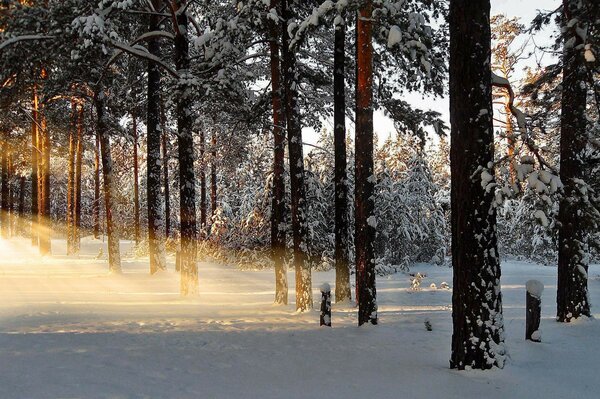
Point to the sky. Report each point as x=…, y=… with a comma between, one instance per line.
x=383, y=126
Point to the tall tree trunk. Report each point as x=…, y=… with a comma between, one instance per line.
x=96, y=204
x=4, y=216
x=71, y=180
x=478, y=329
x=11, y=194
x=34, y=168
x=44, y=214
x=21, y=219
x=136, y=183
x=342, y=266
x=203, y=207
x=114, y=254
x=165, y=156
x=510, y=143
x=78, y=165
x=213, y=173
x=294, y=127
x=187, y=192
x=572, y=294
x=278, y=234
x=156, y=240
x=365, y=183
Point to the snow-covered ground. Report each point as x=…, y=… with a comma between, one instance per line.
x=68, y=329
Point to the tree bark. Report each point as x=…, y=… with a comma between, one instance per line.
x=304, y=299
x=213, y=174
x=278, y=234
x=4, y=215
x=187, y=192
x=34, y=168
x=114, y=254
x=203, y=207
x=136, y=183
x=44, y=214
x=78, y=165
x=478, y=330
x=96, y=204
x=71, y=180
x=21, y=210
x=156, y=240
x=364, y=203
x=572, y=292
x=165, y=157
x=342, y=264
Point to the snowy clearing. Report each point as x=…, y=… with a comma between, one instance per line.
x=68, y=329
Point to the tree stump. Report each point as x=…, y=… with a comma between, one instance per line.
x=325, y=317
x=533, y=310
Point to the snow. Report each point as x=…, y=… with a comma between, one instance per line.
x=535, y=288
x=69, y=329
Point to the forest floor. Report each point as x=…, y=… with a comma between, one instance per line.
x=68, y=329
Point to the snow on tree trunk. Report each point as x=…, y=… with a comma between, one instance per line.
x=478, y=330
x=153, y=138
x=364, y=205
x=278, y=233
x=114, y=255
x=342, y=264
x=572, y=296
x=187, y=192
x=296, y=158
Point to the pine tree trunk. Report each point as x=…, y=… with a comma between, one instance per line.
x=203, y=207
x=296, y=158
x=572, y=294
x=44, y=214
x=136, y=183
x=114, y=255
x=4, y=216
x=34, y=168
x=96, y=204
x=342, y=266
x=71, y=181
x=365, y=183
x=165, y=157
x=278, y=234
x=156, y=240
x=213, y=174
x=187, y=192
x=478, y=330
x=21, y=211
x=11, y=194
x=78, y=165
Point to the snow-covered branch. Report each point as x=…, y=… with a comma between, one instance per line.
x=23, y=38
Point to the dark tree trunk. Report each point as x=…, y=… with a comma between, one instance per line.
x=71, y=181
x=296, y=158
x=187, y=192
x=364, y=204
x=78, y=165
x=342, y=266
x=213, y=174
x=278, y=234
x=478, y=330
x=44, y=214
x=96, y=204
x=572, y=294
x=154, y=195
x=21, y=219
x=11, y=194
x=114, y=255
x=34, y=168
x=136, y=183
x=165, y=156
x=4, y=215
x=203, y=208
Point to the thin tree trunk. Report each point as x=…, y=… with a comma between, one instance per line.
x=278, y=234
x=78, y=165
x=21, y=219
x=4, y=216
x=34, y=168
x=136, y=183
x=156, y=240
x=572, y=291
x=165, y=157
x=213, y=174
x=187, y=192
x=342, y=266
x=478, y=329
x=296, y=158
x=365, y=185
x=203, y=207
x=114, y=254
x=44, y=215
x=71, y=180
x=11, y=195
x=96, y=204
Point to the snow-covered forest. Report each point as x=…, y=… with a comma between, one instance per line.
x=192, y=193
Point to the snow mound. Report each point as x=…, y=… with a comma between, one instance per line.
x=535, y=288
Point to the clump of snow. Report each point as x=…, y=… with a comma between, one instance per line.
x=433, y=286
x=325, y=287
x=589, y=54
x=536, y=336
x=535, y=288
x=394, y=36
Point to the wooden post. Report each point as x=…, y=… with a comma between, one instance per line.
x=325, y=317
x=533, y=310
